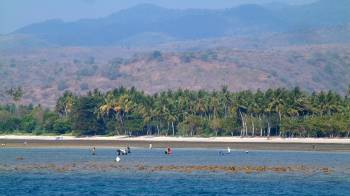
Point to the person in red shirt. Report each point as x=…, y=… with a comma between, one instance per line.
x=169, y=151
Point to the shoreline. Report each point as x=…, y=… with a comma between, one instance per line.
x=238, y=143
x=224, y=139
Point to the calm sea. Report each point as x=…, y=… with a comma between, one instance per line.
x=39, y=181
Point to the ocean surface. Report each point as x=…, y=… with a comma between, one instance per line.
x=33, y=179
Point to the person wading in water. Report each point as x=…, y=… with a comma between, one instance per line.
x=168, y=151
x=128, y=149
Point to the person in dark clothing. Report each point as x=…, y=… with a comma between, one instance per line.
x=128, y=149
x=93, y=151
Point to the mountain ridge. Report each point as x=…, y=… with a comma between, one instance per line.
x=246, y=20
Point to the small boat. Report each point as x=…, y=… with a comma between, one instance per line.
x=117, y=159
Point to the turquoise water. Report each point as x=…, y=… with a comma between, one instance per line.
x=135, y=182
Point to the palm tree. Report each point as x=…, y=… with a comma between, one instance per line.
x=16, y=95
x=64, y=104
x=118, y=107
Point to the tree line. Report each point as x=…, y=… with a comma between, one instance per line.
x=274, y=112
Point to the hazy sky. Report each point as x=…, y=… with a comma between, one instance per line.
x=18, y=13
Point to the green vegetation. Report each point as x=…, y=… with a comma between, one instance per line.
x=274, y=112
x=32, y=120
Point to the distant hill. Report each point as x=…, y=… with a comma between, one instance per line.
x=45, y=74
x=160, y=25
x=321, y=13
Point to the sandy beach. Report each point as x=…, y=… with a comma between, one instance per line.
x=257, y=143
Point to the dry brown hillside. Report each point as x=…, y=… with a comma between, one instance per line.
x=46, y=73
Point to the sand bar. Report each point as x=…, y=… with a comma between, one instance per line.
x=248, y=143
x=183, y=139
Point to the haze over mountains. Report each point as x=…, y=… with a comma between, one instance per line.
x=154, y=48
x=149, y=24
x=15, y=14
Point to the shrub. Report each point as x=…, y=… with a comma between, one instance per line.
x=90, y=60
x=156, y=55
x=117, y=61
x=88, y=71
x=28, y=123
x=62, y=85
x=10, y=124
x=84, y=86
x=111, y=72
x=61, y=126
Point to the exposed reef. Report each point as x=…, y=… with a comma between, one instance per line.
x=105, y=167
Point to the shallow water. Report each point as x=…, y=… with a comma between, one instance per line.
x=136, y=182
